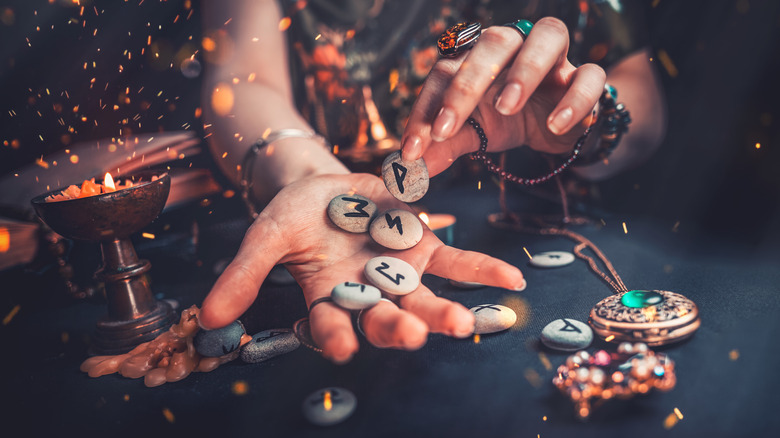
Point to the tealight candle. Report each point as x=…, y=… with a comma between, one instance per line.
x=442, y=225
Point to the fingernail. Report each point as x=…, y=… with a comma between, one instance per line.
x=508, y=99
x=521, y=287
x=411, y=148
x=200, y=324
x=443, y=125
x=560, y=121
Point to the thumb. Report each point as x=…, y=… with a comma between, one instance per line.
x=237, y=287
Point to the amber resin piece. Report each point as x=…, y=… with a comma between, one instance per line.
x=458, y=38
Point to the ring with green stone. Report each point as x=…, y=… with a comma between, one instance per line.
x=522, y=26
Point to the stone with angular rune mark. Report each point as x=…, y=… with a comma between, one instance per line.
x=492, y=318
x=219, y=342
x=268, y=344
x=406, y=180
x=392, y=275
x=351, y=213
x=329, y=406
x=552, y=259
x=355, y=296
x=567, y=334
x=396, y=229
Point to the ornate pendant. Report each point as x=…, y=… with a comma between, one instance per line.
x=654, y=317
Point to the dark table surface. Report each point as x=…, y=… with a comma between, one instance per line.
x=728, y=383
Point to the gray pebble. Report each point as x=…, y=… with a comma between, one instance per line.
x=552, y=259
x=268, y=344
x=355, y=296
x=492, y=318
x=406, y=180
x=351, y=213
x=219, y=342
x=328, y=409
x=567, y=335
x=280, y=275
x=397, y=229
x=392, y=275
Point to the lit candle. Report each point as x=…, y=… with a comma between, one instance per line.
x=442, y=225
x=108, y=182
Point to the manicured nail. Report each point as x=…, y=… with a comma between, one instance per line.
x=443, y=125
x=508, y=99
x=560, y=121
x=411, y=148
x=521, y=287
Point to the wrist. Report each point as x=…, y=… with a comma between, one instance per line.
x=281, y=158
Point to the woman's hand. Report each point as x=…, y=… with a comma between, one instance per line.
x=521, y=92
x=294, y=229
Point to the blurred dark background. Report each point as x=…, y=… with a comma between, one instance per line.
x=73, y=71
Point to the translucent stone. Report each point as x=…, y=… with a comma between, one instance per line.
x=641, y=298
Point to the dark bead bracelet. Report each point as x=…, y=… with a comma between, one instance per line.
x=481, y=155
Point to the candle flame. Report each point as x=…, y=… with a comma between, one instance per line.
x=424, y=217
x=108, y=181
x=327, y=403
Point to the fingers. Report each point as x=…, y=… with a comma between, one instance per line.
x=387, y=326
x=497, y=45
x=544, y=50
x=587, y=84
x=237, y=287
x=455, y=264
x=441, y=315
x=417, y=134
x=331, y=329
x=455, y=87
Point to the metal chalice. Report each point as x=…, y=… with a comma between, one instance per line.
x=134, y=315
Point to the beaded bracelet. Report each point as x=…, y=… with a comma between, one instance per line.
x=249, y=159
x=614, y=118
x=481, y=155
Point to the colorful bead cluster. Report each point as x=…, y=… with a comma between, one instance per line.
x=633, y=369
x=615, y=120
x=481, y=155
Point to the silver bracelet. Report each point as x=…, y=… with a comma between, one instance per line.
x=247, y=164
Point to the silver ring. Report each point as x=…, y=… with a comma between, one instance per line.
x=320, y=300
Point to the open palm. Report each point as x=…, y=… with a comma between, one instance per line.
x=294, y=229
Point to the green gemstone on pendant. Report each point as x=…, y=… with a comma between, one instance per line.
x=641, y=298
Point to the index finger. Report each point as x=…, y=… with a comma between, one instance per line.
x=237, y=287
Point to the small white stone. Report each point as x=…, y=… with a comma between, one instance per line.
x=392, y=275
x=396, y=229
x=355, y=296
x=329, y=406
x=567, y=335
x=351, y=213
x=492, y=318
x=552, y=259
x=268, y=344
x=406, y=180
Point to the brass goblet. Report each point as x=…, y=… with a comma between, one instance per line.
x=134, y=315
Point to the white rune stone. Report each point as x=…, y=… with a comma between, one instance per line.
x=351, y=213
x=492, y=318
x=396, y=229
x=406, y=180
x=392, y=275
